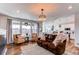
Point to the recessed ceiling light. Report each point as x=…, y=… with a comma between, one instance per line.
x=18, y=11
x=69, y=7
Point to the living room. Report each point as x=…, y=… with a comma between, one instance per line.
x=26, y=28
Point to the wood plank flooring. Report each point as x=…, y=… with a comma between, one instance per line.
x=71, y=49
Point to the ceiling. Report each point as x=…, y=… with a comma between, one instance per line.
x=31, y=11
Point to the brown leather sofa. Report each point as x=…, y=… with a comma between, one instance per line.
x=47, y=39
x=57, y=50
x=50, y=37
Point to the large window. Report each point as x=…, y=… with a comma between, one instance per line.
x=34, y=28
x=26, y=29
x=15, y=27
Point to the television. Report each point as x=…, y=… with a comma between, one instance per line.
x=67, y=28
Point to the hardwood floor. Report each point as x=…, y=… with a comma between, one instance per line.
x=71, y=49
x=13, y=49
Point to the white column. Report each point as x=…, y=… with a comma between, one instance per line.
x=9, y=31
x=77, y=30
x=20, y=27
x=40, y=28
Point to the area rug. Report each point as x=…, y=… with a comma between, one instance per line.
x=34, y=49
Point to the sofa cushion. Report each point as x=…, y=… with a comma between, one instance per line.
x=60, y=38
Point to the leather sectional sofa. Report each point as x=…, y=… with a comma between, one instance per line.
x=57, y=50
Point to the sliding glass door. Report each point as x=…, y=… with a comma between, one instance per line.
x=34, y=28
x=26, y=29
x=15, y=27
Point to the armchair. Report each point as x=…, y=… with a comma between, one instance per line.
x=18, y=38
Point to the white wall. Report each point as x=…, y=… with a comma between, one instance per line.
x=3, y=23
x=66, y=21
x=77, y=29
